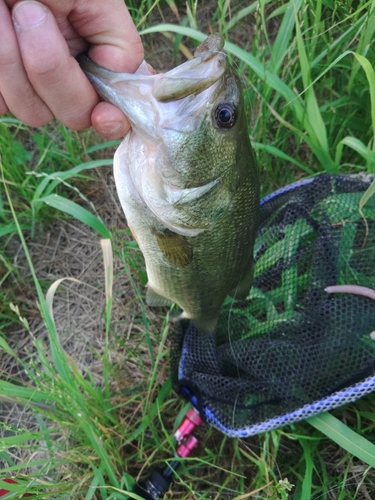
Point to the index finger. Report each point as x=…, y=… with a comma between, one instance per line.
x=109, y=28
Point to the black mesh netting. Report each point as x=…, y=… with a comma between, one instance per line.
x=292, y=350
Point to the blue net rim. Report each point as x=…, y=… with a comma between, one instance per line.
x=320, y=177
x=335, y=400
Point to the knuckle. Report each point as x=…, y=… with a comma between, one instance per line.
x=34, y=113
x=137, y=50
x=138, y=45
x=8, y=60
x=75, y=121
x=38, y=121
x=48, y=69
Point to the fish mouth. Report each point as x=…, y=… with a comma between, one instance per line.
x=198, y=74
x=152, y=99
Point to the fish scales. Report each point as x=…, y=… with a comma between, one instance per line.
x=187, y=179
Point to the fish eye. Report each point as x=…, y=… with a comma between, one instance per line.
x=225, y=115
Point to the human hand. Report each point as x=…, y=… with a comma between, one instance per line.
x=39, y=77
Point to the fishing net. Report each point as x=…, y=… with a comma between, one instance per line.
x=292, y=350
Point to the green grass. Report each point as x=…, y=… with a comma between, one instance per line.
x=307, y=68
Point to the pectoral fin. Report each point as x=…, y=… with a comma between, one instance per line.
x=175, y=247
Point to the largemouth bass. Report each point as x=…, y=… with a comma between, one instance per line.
x=187, y=179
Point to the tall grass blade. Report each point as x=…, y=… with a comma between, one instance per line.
x=21, y=392
x=108, y=267
x=108, y=274
x=307, y=479
x=354, y=144
x=50, y=181
x=370, y=74
x=12, y=228
x=366, y=39
x=78, y=212
x=51, y=293
x=367, y=195
x=246, y=11
x=313, y=121
x=272, y=150
x=25, y=436
x=154, y=409
x=284, y=33
x=344, y=437
x=6, y=347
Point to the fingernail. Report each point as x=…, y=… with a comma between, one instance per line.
x=108, y=128
x=28, y=15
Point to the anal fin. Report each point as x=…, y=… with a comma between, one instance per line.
x=154, y=299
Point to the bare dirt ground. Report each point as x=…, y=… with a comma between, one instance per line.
x=70, y=249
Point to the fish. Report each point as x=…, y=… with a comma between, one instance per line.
x=187, y=179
